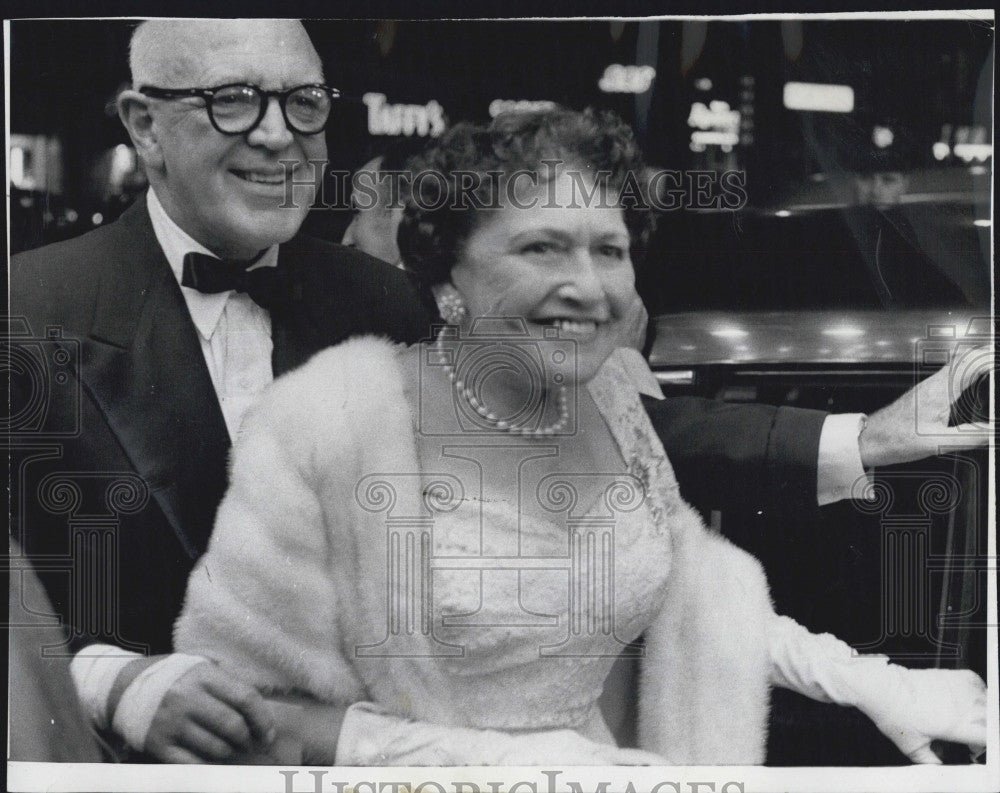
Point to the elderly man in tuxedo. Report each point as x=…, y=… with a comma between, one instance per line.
x=183, y=311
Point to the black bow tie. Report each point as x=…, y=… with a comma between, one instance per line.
x=266, y=286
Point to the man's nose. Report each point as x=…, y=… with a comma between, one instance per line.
x=272, y=131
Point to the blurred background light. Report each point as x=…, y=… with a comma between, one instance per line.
x=820, y=97
x=882, y=137
x=973, y=151
x=730, y=333
x=940, y=150
x=844, y=331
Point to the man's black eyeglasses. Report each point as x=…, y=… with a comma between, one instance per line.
x=238, y=108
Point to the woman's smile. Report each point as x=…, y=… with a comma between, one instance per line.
x=578, y=329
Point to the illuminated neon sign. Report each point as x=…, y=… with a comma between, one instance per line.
x=619, y=79
x=714, y=124
x=966, y=143
x=387, y=118
x=819, y=97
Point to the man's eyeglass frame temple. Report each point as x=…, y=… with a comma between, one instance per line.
x=208, y=94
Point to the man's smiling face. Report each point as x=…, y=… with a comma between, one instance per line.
x=230, y=192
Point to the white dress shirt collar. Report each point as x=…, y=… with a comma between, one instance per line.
x=205, y=310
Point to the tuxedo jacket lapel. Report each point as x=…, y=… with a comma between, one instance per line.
x=143, y=365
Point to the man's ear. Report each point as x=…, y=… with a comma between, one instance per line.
x=133, y=110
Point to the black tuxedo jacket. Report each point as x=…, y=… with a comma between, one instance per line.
x=121, y=461
x=120, y=449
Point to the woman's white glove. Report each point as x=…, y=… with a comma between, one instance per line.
x=371, y=737
x=912, y=707
x=916, y=706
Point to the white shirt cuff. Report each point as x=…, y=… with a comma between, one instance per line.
x=141, y=700
x=94, y=670
x=839, y=473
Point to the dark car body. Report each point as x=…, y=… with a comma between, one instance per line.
x=904, y=573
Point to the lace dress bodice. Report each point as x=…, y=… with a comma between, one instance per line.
x=540, y=630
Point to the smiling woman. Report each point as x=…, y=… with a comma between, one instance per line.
x=529, y=227
x=472, y=529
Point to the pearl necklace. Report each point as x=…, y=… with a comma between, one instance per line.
x=504, y=426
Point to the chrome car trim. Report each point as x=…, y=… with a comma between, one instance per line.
x=679, y=377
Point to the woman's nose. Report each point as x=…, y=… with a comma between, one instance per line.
x=583, y=284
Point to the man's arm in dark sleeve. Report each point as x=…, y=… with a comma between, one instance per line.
x=740, y=456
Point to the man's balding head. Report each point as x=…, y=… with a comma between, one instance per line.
x=233, y=193
x=163, y=51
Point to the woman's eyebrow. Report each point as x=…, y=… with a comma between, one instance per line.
x=549, y=231
x=613, y=234
x=566, y=236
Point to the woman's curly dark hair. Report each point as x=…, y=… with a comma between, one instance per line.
x=448, y=192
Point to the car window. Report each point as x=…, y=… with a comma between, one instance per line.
x=850, y=258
